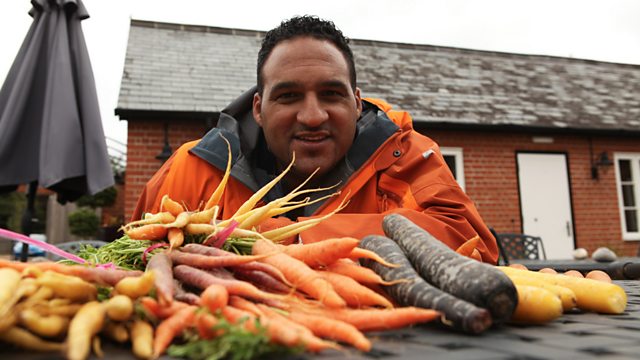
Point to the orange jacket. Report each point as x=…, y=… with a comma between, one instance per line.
x=405, y=174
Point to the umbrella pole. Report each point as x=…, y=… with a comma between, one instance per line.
x=27, y=218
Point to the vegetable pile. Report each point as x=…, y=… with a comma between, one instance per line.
x=186, y=283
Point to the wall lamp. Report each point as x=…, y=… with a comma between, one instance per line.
x=602, y=161
x=166, y=149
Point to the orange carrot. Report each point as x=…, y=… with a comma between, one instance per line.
x=166, y=204
x=466, y=249
x=278, y=322
x=299, y=274
x=172, y=327
x=359, y=273
x=246, y=305
x=175, y=237
x=154, y=309
x=333, y=329
x=360, y=253
x=147, y=232
x=205, y=323
x=353, y=293
x=214, y=297
x=159, y=218
x=380, y=319
x=322, y=253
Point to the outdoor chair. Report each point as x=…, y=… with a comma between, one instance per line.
x=521, y=246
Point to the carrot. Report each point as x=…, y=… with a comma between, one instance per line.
x=119, y=308
x=359, y=273
x=458, y=313
x=26, y=340
x=68, y=286
x=306, y=336
x=285, y=232
x=196, y=229
x=322, y=253
x=353, y=293
x=360, y=253
x=204, y=216
x=181, y=221
x=253, y=265
x=172, y=327
x=217, y=194
x=536, y=305
x=175, y=237
x=154, y=309
x=380, y=319
x=299, y=274
x=205, y=262
x=99, y=276
x=142, y=339
x=333, y=329
x=162, y=267
x=263, y=280
x=566, y=295
x=135, y=287
x=171, y=206
x=9, y=284
x=478, y=283
x=83, y=327
x=205, y=323
x=214, y=297
x=47, y=326
x=147, y=232
x=466, y=249
x=202, y=279
x=158, y=218
x=117, y=332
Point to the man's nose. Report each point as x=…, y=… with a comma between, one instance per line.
x=312, y=113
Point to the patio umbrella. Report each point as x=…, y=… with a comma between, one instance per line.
x=50, y=128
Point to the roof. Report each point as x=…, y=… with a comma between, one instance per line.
x=200, y=69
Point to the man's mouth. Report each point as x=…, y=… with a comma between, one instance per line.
x=312, y=136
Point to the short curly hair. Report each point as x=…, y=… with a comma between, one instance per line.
x=300, y=26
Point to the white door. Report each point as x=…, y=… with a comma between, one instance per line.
x=545, y=202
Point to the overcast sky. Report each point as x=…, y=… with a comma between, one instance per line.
x=605, y=30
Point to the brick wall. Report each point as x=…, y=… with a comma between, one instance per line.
x=490, y=175
x=145, y=142
x=491, y=181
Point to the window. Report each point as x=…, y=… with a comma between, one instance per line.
x=453, y=158
x=628, y=182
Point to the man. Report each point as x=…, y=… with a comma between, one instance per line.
x=307, y=103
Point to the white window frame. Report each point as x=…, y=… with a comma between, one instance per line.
x=634, y=158
x=456, y=152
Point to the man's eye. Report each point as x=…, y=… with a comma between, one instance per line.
x=286, y=96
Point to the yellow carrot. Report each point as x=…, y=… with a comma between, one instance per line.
x=167, y=204
x=83, y=327
x=536, y=305
x=175, y=237
x=26, y=340
x=204, y=216
x=68, y=286
x=142, y=339
x=566, y=295
x=135, y=287
x=217, y=194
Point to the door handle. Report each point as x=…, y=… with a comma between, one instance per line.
x=568, y=228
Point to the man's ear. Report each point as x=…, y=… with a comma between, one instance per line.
x=358, y=101
x=257, y=104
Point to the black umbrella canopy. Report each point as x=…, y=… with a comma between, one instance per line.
x=50, y=126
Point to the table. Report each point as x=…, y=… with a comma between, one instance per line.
x=626, y=268
x=576, y=335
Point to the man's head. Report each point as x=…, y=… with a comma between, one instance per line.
x=308, y=104
x=310, y=26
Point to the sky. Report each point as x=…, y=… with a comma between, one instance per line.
x=603, y=30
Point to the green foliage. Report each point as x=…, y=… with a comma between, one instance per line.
x=12, y=207
x=84, y=222
x=235, y=343
x=104, y=198
x=123, y=253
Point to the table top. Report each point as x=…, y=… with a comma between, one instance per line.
x=575, y=335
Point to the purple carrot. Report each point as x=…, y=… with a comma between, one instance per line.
x=262, y=280
x=162, y=267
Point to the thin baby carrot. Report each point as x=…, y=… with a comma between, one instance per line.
x=175, y=237
x=203, y=261
x=353, y=293
x=147, y=232
x=196, y=229
x=467, y=248
x=158, y=218
x=360, y=253
x=181, y=221
x=380, y=319
x=166, y=204
x=333, y=329
x=217, y=193
x=171, y=327
x=204, y=216
x=359, y=273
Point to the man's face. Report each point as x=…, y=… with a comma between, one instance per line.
x=307, y=105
